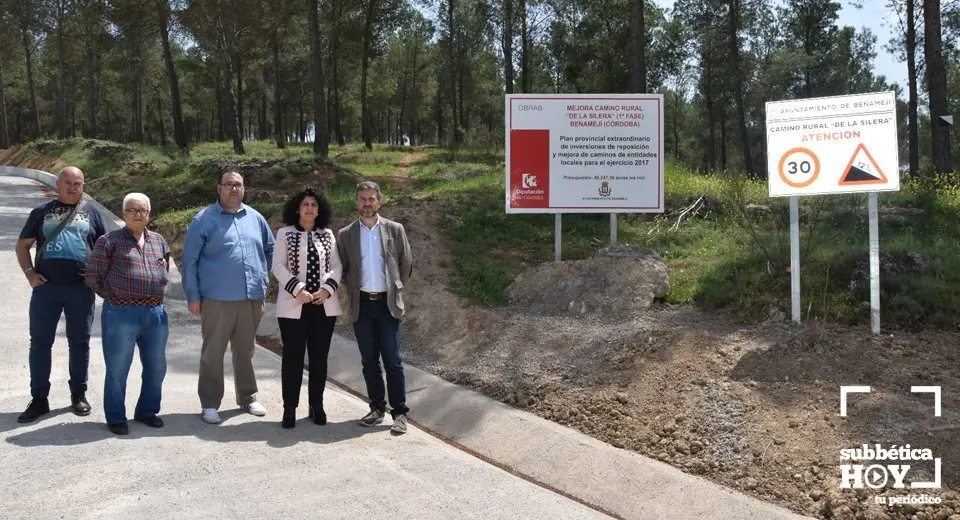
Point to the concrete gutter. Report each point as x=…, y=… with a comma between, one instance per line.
x=112, y=221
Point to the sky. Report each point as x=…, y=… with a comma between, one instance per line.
x=881, y=21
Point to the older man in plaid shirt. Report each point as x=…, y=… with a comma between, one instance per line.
x=128, y=269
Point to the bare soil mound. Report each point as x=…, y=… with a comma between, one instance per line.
x=617, y=281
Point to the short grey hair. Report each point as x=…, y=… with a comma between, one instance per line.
x=136, y=196
x=368, y=185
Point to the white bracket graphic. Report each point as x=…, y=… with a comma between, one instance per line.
x=935, y=390
x=855, y=389
x=935, y=483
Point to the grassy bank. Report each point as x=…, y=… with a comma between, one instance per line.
x=729, y=251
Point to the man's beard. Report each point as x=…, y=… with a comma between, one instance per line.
x=370, y=213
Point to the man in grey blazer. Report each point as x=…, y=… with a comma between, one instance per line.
x=377, y=262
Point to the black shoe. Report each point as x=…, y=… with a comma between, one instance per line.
x=318, y=417
x=289, y=418
x=153, y=421
x=119, y=428
x=80, y=405
x=373, y=418
x=38, y=406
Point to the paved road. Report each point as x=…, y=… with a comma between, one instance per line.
x=64, y=466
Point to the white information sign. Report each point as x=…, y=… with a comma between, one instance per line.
x=838, y=144
x=587, y=153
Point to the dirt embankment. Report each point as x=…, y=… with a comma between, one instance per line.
x=754, y=408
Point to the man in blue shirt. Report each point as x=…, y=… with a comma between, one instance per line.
x=64, y=232
x=227, y=254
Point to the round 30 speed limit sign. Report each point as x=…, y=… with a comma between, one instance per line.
x=799, y=167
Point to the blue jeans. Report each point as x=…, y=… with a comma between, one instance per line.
x=378, y=336
x=123, y=327
x=48, y=301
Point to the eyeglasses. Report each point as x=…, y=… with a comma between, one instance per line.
x=233, y=186
x=138, y=212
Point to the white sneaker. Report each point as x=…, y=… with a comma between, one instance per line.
x=399, y=424
x=210, y=416
x=254, y=408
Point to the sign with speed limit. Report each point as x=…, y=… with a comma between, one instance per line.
x=838, y=144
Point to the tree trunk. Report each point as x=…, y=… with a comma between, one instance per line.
x=403, y=110
x=240, y=96
x=263, y=120
x=61, y=94
x=913, y=139
x=638, y=51
x=137, y=94
x=221, y=131
x=301, y=126
x=524, y=47
x=454, y=65
x=92, y=101
x=735, y=13
x=73, y=106
x=331, y=109
x=723, y=140
x=263, y=124
x=148, y=128
x=4, y=133
x=676, y=124
x=440, y=134
x=937, y=86
x=337, y=107
x=134, y=103
x=163, y=131
x=321, y=131
x=708, y=95
x=179, y=132
x=508, y=45
x=233, y=123
x=277, y=94
x=808, y=51
x=27, y=51
x=410, y=114
x=461, y=103
x=337, y=119
x=364, y=74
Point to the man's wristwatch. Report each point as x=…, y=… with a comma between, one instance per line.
x=27, y=270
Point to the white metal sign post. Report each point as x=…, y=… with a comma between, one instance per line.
x=584, y=153
x=841, y=144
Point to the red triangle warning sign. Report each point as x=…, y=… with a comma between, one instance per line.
x=862, y=169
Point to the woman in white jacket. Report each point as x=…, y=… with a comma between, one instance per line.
x=308, y=269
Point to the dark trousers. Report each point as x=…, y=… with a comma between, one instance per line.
x=48, y=301
x=378, y=336
x=309, y=334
